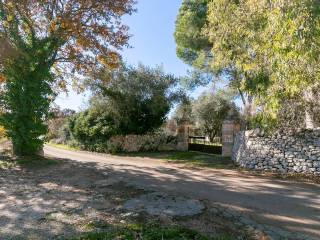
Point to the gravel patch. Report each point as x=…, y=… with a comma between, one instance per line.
x=158, y=203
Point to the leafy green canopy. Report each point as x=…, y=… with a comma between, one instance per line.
x=127, y=101
x=26, y=98
x=269, y=49
x=91, y=129
x=208, y=112
x=193, y=46
x=274, y=45
x=139, y=98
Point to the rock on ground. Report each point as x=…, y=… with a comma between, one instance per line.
x=158, y=203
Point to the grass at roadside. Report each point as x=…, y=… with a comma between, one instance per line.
x=27, y=162
x=147, y=232
x=191, y=159
x=63, y=146
x=36, y=161
x=195, y=159
x=8, y=161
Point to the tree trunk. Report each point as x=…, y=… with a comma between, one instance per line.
x=244, y=102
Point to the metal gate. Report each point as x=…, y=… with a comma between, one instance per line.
x=201, y=144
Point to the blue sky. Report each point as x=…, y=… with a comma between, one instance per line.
x=152, y=43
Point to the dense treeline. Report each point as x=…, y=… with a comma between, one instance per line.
x=268, y=50
x=125, y=101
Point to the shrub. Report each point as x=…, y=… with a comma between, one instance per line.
x=91, y=129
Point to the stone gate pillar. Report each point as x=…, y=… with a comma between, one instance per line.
x=229, y=129
x=183, y=136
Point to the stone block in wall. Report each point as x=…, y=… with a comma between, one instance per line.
x=309, y=165
x=314, y=158
x=316, y=164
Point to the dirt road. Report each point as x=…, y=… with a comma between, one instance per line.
x=284, y=205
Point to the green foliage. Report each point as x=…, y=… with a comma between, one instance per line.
x=197, y=159
x=268, y=49
x=184, y=112
x=138, y=99
x=273, y=45
x=28, y=162
x=43, y=44
x=63, y=146
x=127, y=101
x=115, y=145
x=192, y=45
x=92, y=128
x=195, y=78
x=149, y=232
x=210, y=110
x=26, y=96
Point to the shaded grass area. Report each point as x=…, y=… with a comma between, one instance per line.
x=63, y=146
x=146, y=232
x=27, y=162
x=195, y=159
x=8, y=161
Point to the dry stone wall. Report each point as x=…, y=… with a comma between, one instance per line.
x=141, y=143
x=286, y=151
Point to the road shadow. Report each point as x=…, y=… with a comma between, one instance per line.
x=287, y=205
x=44, y=201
